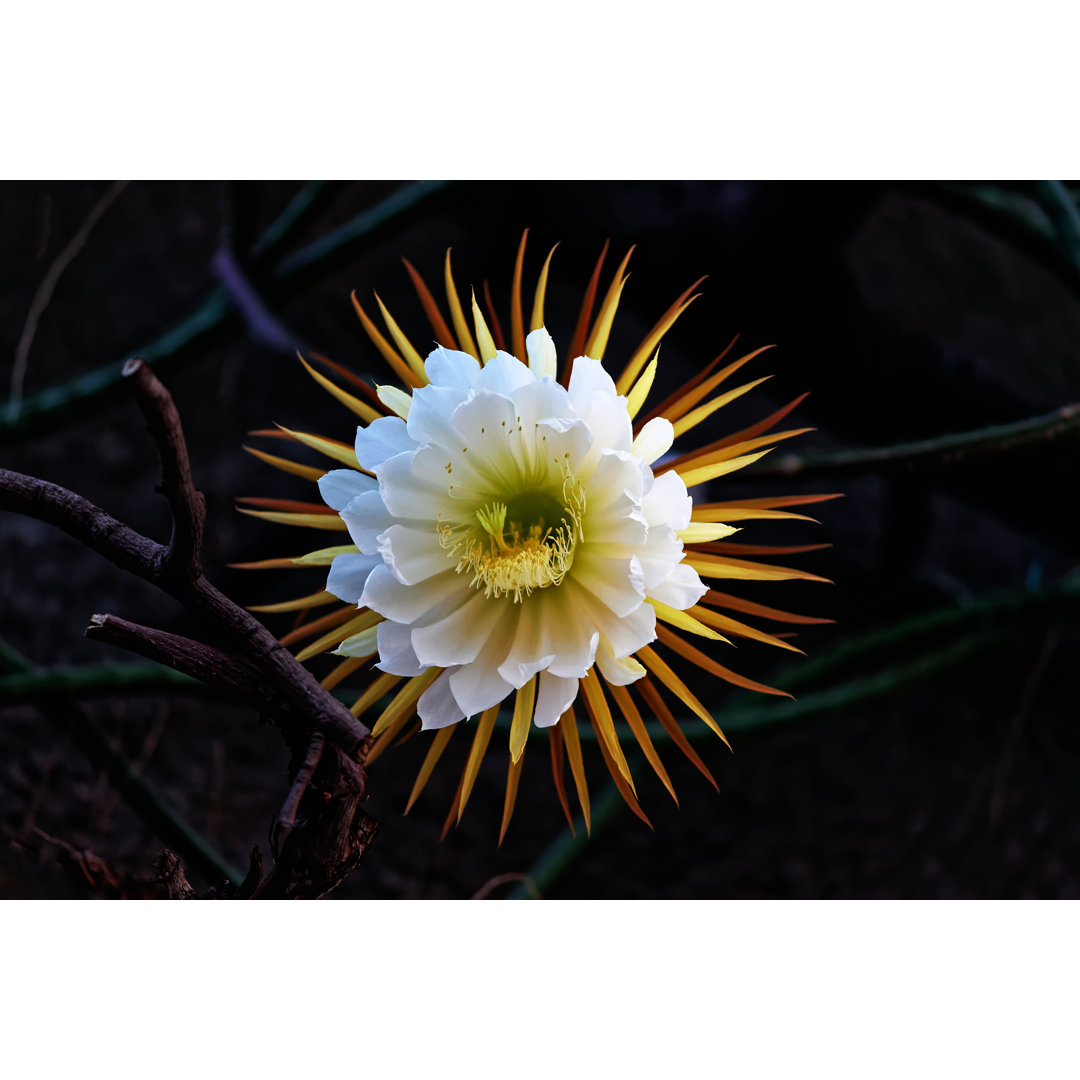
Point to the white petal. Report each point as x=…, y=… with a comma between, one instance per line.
x=517, y=675
x=380, y=440
x=413, y=555
x=541, y=352
x=553, y=698
x=666, y=502
x=407, y=495
x=587, y=378
x=448, y=367
x=459, y=637
x=339, y=487
x=396, y=654
x=483, y=419
x=407, y=603
x=478, y=686
x=561, y=620
x=429, y=418
x=367, y=516
x=503, y=374
x=654, y=439
x=681, y=589
x=663, y=551
x=619, y=584
x=348, y=575
x=437, y=706
x=626, y=634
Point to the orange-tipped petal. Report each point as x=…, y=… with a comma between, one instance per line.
x=496, y=326
x=398, y=713
x=707, y=663
x=443, y=334
x=342, y=671
x=397, y=363
x=308, y=521
x=558, y=772
x=739, y=629
x=625, y=790
x=672, y=681
x=480, y=742
x=748, y=607
x=382, y=685
x=568, y=724
x=431, y=759
x=695, y=416
x=524, y=700
x=405, y=346
x=484, y=341
x=332, y=448
x=308, y=472
x=461, y=326
x=598, y=710
x=637, y=726
x=537, y=319
x=720, y=566
x=581, y=328
x=597, y=342
x=319, y=599
x=654, y=336
x=513, y=775
x=350, y=401
x=651, y=696
x=517, y=316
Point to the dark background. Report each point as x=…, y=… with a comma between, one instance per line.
x=909, y=311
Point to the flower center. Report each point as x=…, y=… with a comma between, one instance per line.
x=524, y=543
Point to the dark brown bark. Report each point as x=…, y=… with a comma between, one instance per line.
x=322, y=830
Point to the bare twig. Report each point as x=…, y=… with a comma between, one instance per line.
x=318, y=851
x=287, y=818
x=238, y=680
x=185, y=501
x=45, y=290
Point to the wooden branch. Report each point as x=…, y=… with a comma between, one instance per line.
x=322, y=829
x=184, y=555
x=287, y=818
x=238, y=680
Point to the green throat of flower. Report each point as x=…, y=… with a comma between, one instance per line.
x=509, y=548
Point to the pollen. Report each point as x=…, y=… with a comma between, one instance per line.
x=513, y=555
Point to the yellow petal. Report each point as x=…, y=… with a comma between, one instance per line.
x=537, y=320
x=318, y=599
x=461, y=327
x=339, y=451
x=522, y=721
x=684, y=621
x=308, y=472
x=703, y=532
x=484, y=339
x=481, y=738
x=328, y=522
x=353, y=404
x=438, y=745
x=601, y=714
x=412, y=357
x=636, y=398
x=568, y=724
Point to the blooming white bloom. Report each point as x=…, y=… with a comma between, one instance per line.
x=511, y=527
x=519, y=537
